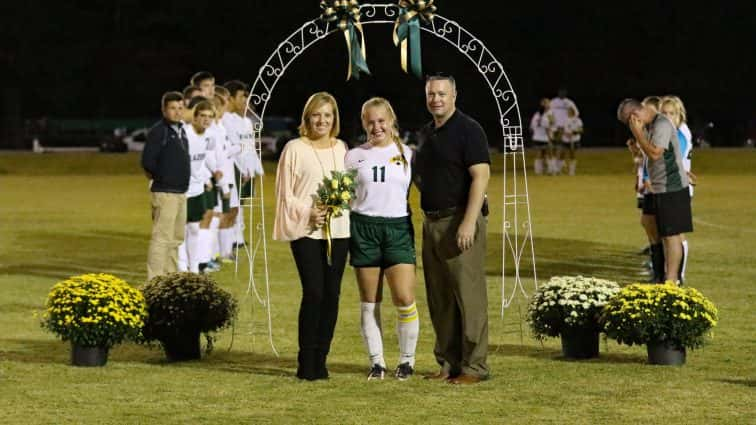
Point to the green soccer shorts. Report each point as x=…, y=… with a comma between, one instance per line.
x=381, y=241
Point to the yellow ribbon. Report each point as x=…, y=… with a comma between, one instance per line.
x=327, y=231
x=407, y=28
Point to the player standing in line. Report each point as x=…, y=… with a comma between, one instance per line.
x=573, y=131
x=242, y=137
x=199, y=143
x=558, y=108
x=539, y=133
x=209, y=196
x=222, y=191
x=227, y=235
x=382, y=240
x=673, y=108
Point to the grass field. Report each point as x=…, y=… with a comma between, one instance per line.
x=73, y=213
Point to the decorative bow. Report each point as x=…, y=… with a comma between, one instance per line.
x=407, y=26
x=347, y=13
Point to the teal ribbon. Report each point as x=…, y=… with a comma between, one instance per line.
x=407, y=29
x=347, y=13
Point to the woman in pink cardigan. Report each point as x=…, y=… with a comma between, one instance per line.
x=304, y=163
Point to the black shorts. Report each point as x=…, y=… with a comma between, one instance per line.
x=673, y=215
x=649, y=204
x=639, y=202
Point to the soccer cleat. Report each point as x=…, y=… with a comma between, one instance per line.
x=211, y=267
x=404, y=371
x=376, y=372
x=228, y=259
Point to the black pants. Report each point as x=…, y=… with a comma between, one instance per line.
x=321, y=286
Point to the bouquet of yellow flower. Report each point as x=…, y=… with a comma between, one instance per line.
x=651, y=313
x=334, y=194
x=94, y=310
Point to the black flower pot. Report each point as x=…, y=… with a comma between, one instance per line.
x=183, y=345
x=661, y=353
x=88, y=356
x=580, y=343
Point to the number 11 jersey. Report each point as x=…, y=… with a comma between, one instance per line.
x=383, y=179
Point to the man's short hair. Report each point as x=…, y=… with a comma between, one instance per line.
x=195, y=100
x=222, y=91
x=654, y=101
x=626, y=107
x=200, y=77
x=188, y=91
x=171, y=96
x=442, y=76
x=235, y=86
x=203, y=105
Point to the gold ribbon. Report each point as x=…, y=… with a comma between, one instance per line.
x=407, y=28
x=327, y=231
x=347, y=13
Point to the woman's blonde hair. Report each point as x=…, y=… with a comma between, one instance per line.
x=394, y=128
x=678, y=107
x=314, y=102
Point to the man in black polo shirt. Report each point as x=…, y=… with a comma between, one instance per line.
x=453, y=171
x=165, y=160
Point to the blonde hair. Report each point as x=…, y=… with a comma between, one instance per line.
x=679, y=106
x=653, y=101
x=394, y=130
x=314, y=102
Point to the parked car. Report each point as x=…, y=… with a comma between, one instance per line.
x=136, y=139
x=276, y=131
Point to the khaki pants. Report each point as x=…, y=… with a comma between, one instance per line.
x=455, y=282
x=168, y=224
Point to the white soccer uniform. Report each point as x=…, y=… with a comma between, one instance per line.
x=539, y=125
x=687, y=152
x=382, y=180
x=199, y=145
x=558, y=108
x=573, y=129
x=241, y=135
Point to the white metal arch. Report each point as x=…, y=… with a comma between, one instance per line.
x=513, y=242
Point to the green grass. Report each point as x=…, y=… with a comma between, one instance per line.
x=75, y=213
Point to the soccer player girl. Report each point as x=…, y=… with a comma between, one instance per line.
x=382, y=243
x=674, y=109
x=539, y=133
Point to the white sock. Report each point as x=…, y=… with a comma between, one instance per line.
x=226, y=241
x=214, y=239
x=239, y=225
x=573, y=166
x=193, y=246
x=370, y=328
x=182, y=257
x=685, y=259
x=538, y=166
x=205, y=250
x=407, y=330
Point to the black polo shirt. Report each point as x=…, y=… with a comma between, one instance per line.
x=444, y=158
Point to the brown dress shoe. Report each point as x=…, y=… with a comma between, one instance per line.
x=465, y=380
x=440, y=376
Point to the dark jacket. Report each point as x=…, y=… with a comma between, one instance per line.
x=166, y=158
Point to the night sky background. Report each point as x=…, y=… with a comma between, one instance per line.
x=113, y=60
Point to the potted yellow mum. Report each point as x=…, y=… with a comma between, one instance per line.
x=94, y=312
x=667, y=318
